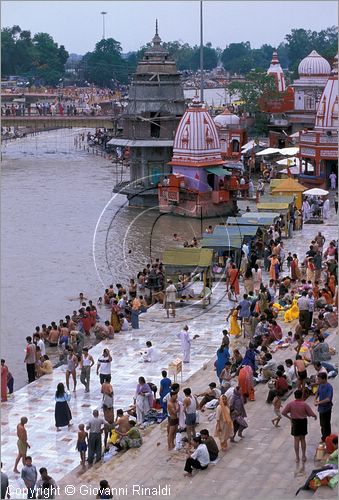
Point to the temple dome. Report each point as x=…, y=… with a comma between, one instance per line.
x=314, y=65
x=327, y=112
x=196, y=141
x=226, y=118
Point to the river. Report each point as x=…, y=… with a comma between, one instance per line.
x=213, y=97
x=53, y=196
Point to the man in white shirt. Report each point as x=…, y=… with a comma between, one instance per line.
x=170, y=298
x=245, y=249
x=304, y=313
x=40, y=343
x=104, y=366
x=290, y=371
x=150, y=354
x=199, y=459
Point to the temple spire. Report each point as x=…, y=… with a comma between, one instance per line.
x=156, y=27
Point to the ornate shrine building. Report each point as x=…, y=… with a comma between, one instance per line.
x=319, y=147
x=155, y=105
x=200, y=184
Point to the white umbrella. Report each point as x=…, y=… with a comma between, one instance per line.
x=289, y=151
x=295, y=135
x=316, y=192
x=293, y=171
x=289, y=161
x=250, y=145
x=268, y=151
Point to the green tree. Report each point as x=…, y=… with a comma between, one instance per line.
x=39, y=57
x=237, y=58
x=7, y=52
x=48, y=60
x=105, y=65
x=256, y=85
x=210, y=57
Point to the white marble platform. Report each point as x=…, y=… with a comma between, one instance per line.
x=56, y=450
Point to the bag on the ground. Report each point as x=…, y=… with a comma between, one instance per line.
x=178, y=441
x=212, y=404
x=109, y=454
x=114, y=437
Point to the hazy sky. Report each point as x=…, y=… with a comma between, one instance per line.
x=78, y=24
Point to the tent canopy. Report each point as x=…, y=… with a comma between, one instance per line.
x=316, y=192
x=289, y=161
x=219, y=171
x=254, y=219
x=187, y=258
x=251, y=145
x=234, y=230
x=234, y=164
x=268, y=151
x=288, y=185
x=277, y=199
x=289, y=151
x=220, y=241
x=272, y=206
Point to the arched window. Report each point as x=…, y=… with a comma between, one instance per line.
x=235, y=146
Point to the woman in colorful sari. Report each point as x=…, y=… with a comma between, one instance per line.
x=263, y=300
x=115, y=319
x=143, y=399
x=86, y=321
x=295, y=270
x=223, y=357
x=248, y=280
x=238, y=413
x=310, y=269
x=224, y=427
x=4, y=375
x=245, y=381
x=332, y=284
x=135, y=312
x=234, y=278
x=234, y=325
x=274, y=268
x=132, y=438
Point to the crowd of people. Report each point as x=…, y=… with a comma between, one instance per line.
x=303, y=289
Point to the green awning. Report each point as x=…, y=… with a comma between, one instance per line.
x=219, y=171
x=236, y=230
x=187, y=257
x=226, y=242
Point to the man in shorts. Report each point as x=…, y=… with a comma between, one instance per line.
x=22, y=443
x=170, y=297
x=173, y=419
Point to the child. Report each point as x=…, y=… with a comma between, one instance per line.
x=289, y=260
x=289, y=338
x=82, y=444
x=276, y=407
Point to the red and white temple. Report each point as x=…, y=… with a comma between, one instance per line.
x=200, y=184
x=276, y=71
x=319, y=147
x=232, y=134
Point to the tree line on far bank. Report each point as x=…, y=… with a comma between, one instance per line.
x=40, y=59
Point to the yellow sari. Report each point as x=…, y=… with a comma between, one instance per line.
x=224, y=426
x=234, y=325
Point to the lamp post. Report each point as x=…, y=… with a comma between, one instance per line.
x=201, y=57
x=103, y=13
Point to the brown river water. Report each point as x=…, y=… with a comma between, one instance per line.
x=63, y=231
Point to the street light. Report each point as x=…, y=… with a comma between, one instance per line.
x=103, y=13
